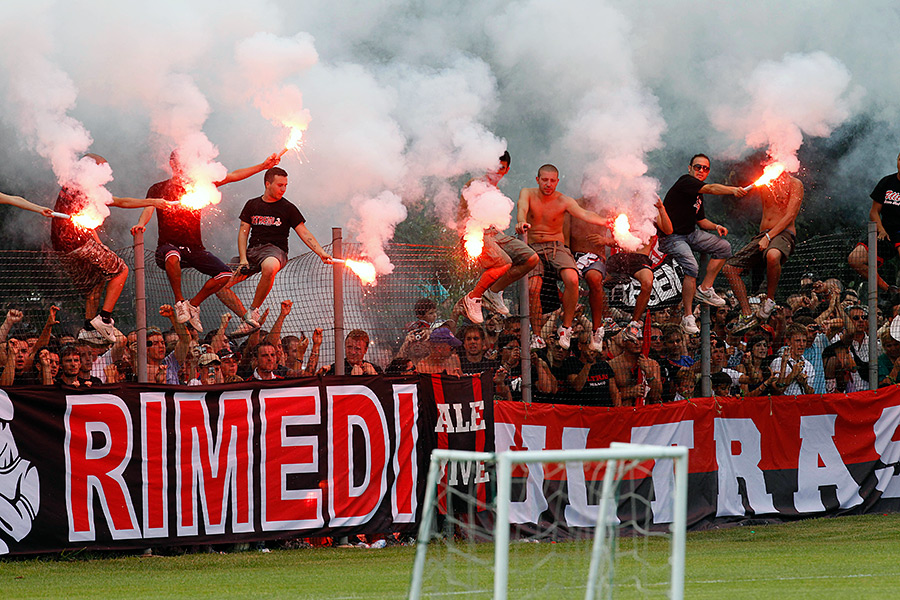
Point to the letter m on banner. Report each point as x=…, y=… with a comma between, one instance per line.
x=214, y=465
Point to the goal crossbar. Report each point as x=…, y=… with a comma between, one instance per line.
x=505, y=461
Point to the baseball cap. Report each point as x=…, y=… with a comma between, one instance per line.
x=442, y=335
x=209, y=359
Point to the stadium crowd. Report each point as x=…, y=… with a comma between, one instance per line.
x=816, y=341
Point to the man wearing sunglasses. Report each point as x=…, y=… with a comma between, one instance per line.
x=684, y=205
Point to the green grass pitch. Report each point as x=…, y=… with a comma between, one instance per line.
x=846, y=557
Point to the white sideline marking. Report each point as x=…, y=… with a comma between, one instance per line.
x=799, y=578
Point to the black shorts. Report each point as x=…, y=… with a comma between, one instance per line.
x=628, y=263
x=202, y=260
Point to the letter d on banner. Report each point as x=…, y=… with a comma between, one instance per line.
x=360, y=448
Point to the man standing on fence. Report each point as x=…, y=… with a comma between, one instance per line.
x=90, y=264
x=684, y=205
x=267, y=222
x=541, y=212
x=772, y=246
x=505, y=259
x=180, y=244
x=885, y=212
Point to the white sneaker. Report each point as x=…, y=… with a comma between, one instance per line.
x=494, y=301
x=565, y=337
x=689, y=324
x=709, y=297
x=107, y=330
x=195, y=316
x=182, y=311
x=597, y=339
x=537, y=342
x=765, y=311
x=473, y=309
x=252, y=317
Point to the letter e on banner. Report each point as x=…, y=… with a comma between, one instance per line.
x=98, y=447
x=285, y=508
x=358, y=483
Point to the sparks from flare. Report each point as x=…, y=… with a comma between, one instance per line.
x=770, y=173
x=622, y=233
x=474, y=242
x=87, y=219
x=295, y=143
x=197, y=196
x=364, y=270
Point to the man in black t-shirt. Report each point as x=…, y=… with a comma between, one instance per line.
x=885, y=212
x=590, y=378
x=267, y=222
x=180, y=243
x=684, y=205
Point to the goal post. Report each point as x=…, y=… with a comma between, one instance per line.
x=488, y=546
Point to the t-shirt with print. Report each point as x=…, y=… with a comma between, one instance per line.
x=887, y=193
x=270, y=222
x=684, y=204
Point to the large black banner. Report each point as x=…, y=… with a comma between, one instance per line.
x=136, y=466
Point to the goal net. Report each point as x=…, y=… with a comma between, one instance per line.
x=596, y=523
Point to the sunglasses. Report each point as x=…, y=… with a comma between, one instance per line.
x=859, y=318
x=701, y=168
x=655, y=338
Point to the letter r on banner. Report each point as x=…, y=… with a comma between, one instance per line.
x=99, y=441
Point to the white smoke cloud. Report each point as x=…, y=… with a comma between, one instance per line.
x=802, y=94
x=41, y=97
x=374, y=226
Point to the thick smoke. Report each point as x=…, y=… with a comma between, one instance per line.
x=802, y=94
x=414, y=99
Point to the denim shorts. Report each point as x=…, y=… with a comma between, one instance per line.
x=682, y=247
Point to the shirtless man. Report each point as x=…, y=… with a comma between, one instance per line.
x=505, y=259
x=587, y=242
x=773, y=244
x=541, y=212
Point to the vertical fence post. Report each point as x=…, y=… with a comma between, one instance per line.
x=525, y=335
x=338, y=268
x=140, y=306
x=873, y=303
x=705, y=353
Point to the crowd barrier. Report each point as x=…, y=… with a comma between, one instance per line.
x=137, y=466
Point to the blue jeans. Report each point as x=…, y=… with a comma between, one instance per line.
x=682, y=247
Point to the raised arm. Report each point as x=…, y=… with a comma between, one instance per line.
x=718, y=189
x=139, y=202
x=662, y=218
x=310, y=240
x=43, y=339
x=582, y=213
x=20, y=202
x=274, y=336
x=240, y=174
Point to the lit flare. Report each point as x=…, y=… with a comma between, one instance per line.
x=770, y=173
x=474, y=242
x=364, y=270
x=197, y=196
x=87, y=219
x=294, y=142
x=622, y=233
